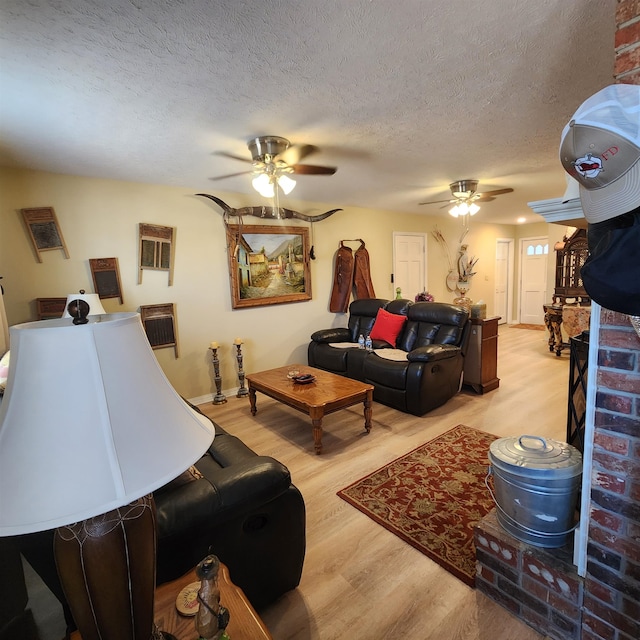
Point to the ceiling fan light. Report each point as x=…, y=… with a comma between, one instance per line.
x=463, y=208
x=455, y=211
x=263, y=185
x=473, y=209
x=286, y=184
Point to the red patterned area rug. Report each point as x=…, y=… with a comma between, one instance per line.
x=432, y=497
x=538, y=327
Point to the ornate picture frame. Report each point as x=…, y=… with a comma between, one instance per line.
x=268, y=265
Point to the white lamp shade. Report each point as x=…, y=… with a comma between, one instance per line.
x=263, y=185
x=286, y=184
x=464, y=208
x=88, y=423
x=92, y=299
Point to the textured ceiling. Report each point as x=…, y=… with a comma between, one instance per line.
x=403, y=97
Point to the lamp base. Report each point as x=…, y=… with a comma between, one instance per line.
x=111, y=555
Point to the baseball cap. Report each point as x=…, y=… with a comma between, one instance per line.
x=600, y=148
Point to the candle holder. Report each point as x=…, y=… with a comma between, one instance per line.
x=219, y=398
x=243, y=392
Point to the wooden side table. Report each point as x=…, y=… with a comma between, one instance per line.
x=244, y=623
x=481, y=361
x=553, y=320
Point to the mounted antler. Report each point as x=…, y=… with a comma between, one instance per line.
x=266, y=212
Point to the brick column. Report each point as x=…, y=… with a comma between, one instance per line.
x=627, y=42
x=611, y=608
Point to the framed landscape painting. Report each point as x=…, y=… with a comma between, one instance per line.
x=268, y=265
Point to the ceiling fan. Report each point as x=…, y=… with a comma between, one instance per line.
x=274, y=159
x=464, y=197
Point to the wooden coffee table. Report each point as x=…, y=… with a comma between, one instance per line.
x=328, y=393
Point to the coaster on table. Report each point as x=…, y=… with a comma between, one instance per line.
x=187, y=601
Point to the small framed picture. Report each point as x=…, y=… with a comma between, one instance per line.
x=106, y=277
x=159, y=321
x=156, y=249
x=44, y=230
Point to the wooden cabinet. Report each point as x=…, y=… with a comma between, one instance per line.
x=49, y=308
x=481, y=361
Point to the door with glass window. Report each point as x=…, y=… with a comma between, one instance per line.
x=534, y=253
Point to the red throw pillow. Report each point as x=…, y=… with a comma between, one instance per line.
x=387, y=326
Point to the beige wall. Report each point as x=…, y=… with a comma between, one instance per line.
x=99, y=218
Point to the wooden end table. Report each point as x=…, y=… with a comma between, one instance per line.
x=244, y=623
x=553, y=320
x=328, y=393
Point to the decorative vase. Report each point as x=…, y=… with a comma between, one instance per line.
x=462, y=300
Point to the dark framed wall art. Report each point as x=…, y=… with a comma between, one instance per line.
x=159, y=321
x=106, y=277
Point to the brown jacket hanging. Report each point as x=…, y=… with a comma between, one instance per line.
x=350, y=271
x=342, y=279
x=362, y=274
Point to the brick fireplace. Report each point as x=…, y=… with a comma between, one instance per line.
x=540, y=586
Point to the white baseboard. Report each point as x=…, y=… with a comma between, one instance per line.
x=229, y=393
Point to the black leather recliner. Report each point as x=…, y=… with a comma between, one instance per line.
x=434, y=338
x=16, y=621
x=244, y=509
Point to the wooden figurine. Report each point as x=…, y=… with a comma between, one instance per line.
x=212, y=618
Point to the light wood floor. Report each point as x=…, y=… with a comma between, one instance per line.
x=359, y=580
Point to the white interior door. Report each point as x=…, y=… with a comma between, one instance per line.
x=533, y=279
x=409, y=263
x=503, y=271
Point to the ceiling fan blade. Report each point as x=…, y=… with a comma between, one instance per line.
x=231, y=175
x=435, y=201
x=296, y=152
x=484, y=198
x=311, y=169
x=495, y=192
x=233, y=157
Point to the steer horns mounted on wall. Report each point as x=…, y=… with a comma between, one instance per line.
x=266, y=212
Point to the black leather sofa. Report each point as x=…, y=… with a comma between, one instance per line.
x=244, y=509
x=16, y=621
x=434, y=339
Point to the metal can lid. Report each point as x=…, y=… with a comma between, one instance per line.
x=537, y=453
